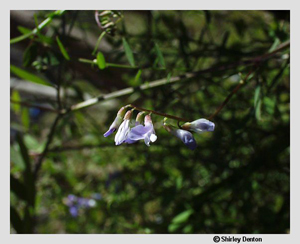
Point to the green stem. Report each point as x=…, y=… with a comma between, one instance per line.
x=242, y=82
x=45, y=151
x=39, y=27
x=98, y=42
x=121, y=66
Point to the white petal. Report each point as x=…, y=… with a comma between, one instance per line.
x=153, y=138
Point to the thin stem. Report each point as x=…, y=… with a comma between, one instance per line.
x=124, y=66
x=159, y=113
x=242, y=82
x=98, y=42
x=45, y=151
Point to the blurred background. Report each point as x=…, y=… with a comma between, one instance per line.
x=67, y=178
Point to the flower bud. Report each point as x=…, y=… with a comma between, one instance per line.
x=185, y=136
x=117, y=122
x=199, y=126
x=139, y=118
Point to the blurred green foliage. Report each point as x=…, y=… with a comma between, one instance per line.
x=236, y=181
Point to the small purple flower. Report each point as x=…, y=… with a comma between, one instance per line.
x=71, y=200
x=73, y=211
x=117, y=122
x=140, y=132
x=185, y=136
x=124, y=129
x=76, y=203
x=83, y=202
x=199, y=126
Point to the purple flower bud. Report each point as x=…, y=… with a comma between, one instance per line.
x=124, y=129
x=199, y=126
x=117, y=122
x=185, y=136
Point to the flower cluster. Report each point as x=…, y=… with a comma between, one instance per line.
x=76, y=203
x=130, y=132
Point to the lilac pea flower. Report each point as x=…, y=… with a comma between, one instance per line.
x=128, y=140
x=83, y=202
x=199, y=126
x=73, y=211
x=117, y=122
x=185, y=136
x=124, y=129
x=140, y=132
x=72, y=198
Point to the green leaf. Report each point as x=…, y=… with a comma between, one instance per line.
x=173, y=227
x=138, y=75
x=182, y=217
x=25, y=75
x=15, y=96
x=62, y=49
x=24, y=152
x=25, y=117
x=256, y=95
x=24, y=30
x=20, y=38
x=101, y=61
x=270, y=104
x=128, y=52
x=160, y=57
x=257, y=102
x=16, y=220
x=16, y=159
x=29, y=55
x=188, y=229
x=274, y=45
x=33, y=144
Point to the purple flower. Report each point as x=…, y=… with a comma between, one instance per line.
x=117, y=122
x=73, y=211
x=185, y=136
x=140, y=132
x=83, y=202
x=199, y=126
x=124, y=129
x=76, y=203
